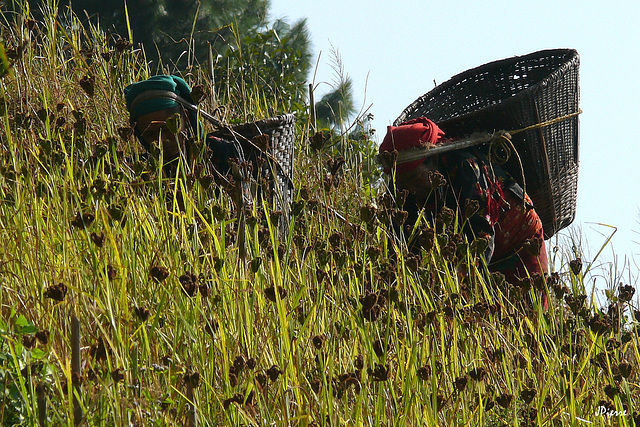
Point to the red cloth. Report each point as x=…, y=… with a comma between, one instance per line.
x=518, y=225
x=413, y=133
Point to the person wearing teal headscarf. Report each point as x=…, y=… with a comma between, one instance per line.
x=151, y=102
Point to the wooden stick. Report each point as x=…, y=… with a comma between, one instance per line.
x=191, y=381
x=312, y=108
x=42, y=405
x=75, y=369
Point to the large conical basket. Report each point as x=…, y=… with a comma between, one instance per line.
x=512, y=94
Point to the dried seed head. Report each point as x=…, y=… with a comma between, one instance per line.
x=611, y=391
x=446, y=215
x=373, y=252
x=87, y=83
x=575, y=303
x=600, y=324
x=270, y=293
x=227, y=402
x=28, y=341
x=398, y=218
x=274, y=372
x=527, y=395
x=56, y=292
x=379, y=373
x=424, y=372
x=625, y=369
x=489, y=404
x=316, y=385
x=471, y=206
x=576, y=266
x=460, y=384
x=43, y=337
x=372, y=306
x=504, y=400
x=600, y=360
x=477, y=374
x=192, y=379
x=435, y=179
x=189, y=282
x=336, y=239
x=367, y=214
x=142, y=313
x=239, y=364
x=317, y=141
x=318, y=341
x=82, y=220
x=625, y=292
x=111, y=272
x=117, y=375
x=321, y=275
x=233, y=378
x=379, y=347
x=335, y=164
x=198, y=92
x=251, y=363
x=125, y=133
x=612, y=344
x=97, y=239
x=412, y=262
x=255, y=264
x=205, y=290
x=159, y=273
x=533, y=246
x=386, y=202
x=98, y=351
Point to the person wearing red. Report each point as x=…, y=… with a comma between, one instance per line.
x=503, y=213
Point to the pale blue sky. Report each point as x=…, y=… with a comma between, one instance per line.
x=394, y=51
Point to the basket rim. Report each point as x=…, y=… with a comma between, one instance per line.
x=279, y=120
x=571, y=58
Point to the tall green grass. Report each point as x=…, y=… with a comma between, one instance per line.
x=321, y=328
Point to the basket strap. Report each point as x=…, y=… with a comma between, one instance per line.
x=154, y=94
x=412, y=154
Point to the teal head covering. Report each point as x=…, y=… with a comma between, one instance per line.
x=141, y=105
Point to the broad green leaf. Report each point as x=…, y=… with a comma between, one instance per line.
x=37, y=354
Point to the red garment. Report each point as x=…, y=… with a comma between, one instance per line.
x=418, y=132
x=518, y=225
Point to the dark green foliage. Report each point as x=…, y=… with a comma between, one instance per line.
x=274, y=62
x=248, y=57
x=170, y=27
x=337, y=106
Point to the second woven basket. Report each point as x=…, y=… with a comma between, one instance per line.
x=512, y=94
x=272, y=160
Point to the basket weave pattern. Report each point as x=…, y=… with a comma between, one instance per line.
x=275, y=169
x=512, y=94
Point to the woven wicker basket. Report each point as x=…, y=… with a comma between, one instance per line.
x=273, y=168
x=512, y=94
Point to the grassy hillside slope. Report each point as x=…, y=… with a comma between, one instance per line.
x=320, y=328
